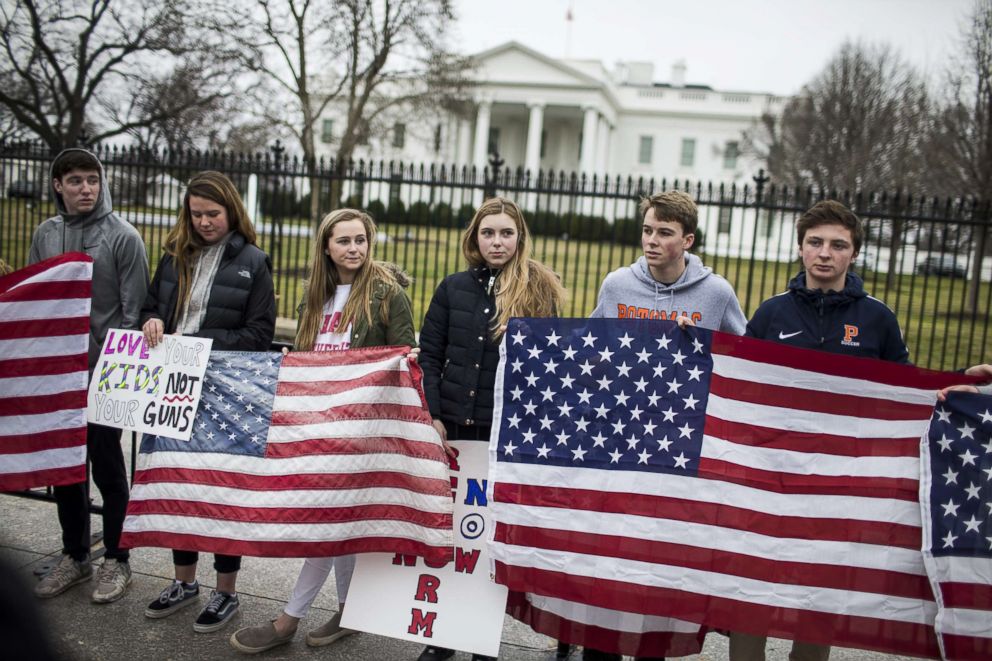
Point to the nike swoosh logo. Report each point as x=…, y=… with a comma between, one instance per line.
x=785, y=336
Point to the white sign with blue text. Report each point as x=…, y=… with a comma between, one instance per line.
x=455, y=604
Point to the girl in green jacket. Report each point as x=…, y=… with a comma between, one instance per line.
x=352, y=301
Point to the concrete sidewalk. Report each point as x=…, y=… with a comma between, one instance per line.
x=29, y=538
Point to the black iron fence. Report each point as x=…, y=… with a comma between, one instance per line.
x=923, y=256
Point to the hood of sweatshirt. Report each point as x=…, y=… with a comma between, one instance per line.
x=664, y=294
x=101, y=209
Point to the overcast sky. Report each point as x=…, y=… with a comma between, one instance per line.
x=748, y=45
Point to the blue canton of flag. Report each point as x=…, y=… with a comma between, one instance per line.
x=956, y=492
x=235, y=406
x=961, y=467
x=634, y=402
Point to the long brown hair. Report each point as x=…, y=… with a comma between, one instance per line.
x=524, y=287
x=184, y=244
x=323, y=280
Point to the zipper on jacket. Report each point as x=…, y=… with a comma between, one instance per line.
x=819, y=312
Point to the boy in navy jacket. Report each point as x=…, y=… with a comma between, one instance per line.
x=825, y=308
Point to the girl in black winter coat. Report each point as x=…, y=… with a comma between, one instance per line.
x=212, y=282
x=459, y=341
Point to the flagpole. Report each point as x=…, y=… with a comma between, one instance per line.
x=569, y=16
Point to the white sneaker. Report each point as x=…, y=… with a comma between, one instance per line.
x=66, y=574
x=112, y=580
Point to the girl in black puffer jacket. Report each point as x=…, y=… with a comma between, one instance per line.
x=459, y=342
x=212, y=282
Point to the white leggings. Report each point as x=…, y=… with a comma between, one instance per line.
x=313, y=576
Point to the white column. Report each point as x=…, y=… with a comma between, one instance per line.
x=251, y=201
x=603, y=147
x=532, y=161
x=588, y=154
x=464, y=149
x=480, y=153
x=449, y=140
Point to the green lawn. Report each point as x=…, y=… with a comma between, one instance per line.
x=930, y=309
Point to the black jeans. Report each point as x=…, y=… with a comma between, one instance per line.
x=224, y=564
x=464, y=433
x=106, y=460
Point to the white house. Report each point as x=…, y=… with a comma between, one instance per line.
x=540, y=113
x=543, y=113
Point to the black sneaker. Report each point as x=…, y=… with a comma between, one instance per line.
x=589, y=654
x=563, y=651
x=177, y=596
x=218, y=612
x=432, y=653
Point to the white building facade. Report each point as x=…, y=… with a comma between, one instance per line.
x=541, y=113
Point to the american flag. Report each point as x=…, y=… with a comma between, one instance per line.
x=44, y=342
x=308, y=455
x=957, y=523
x=725, y=481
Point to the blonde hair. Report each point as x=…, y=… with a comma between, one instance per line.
x=184, y=244
x=323, y=280
x=524, y=287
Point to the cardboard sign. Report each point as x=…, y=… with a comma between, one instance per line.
x=155, y=391
x=454, y=605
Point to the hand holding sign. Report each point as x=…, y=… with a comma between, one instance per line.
x=153, y=329
x=153, y=387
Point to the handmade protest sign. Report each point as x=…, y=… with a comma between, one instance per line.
x=451, y=604
x=152, y=390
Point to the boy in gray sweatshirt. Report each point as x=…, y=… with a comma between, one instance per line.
x=667, y=282
x=86, y=223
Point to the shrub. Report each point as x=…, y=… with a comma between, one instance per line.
x=419, y=213
x=377, y=210
x=544, y=223
x=464, y=217
x=443, y=215
x=352, y=202
x=396, y=212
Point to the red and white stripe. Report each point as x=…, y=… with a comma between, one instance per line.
x=44, y=345
x=804, y=521
x=352, y=465
x=963, y=620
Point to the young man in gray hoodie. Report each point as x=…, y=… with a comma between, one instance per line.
x=667, y=282
x=86, y=223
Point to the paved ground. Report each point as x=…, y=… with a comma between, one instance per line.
x=29, y=538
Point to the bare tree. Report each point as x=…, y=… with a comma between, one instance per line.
x=860, y=126
x=855, y=127
x=358, y=58
x=962, y=144
x=10, y=129
x=248, y=136
x=298, y=47
x=192, y=120
x=395, y=58
x=74, y=65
